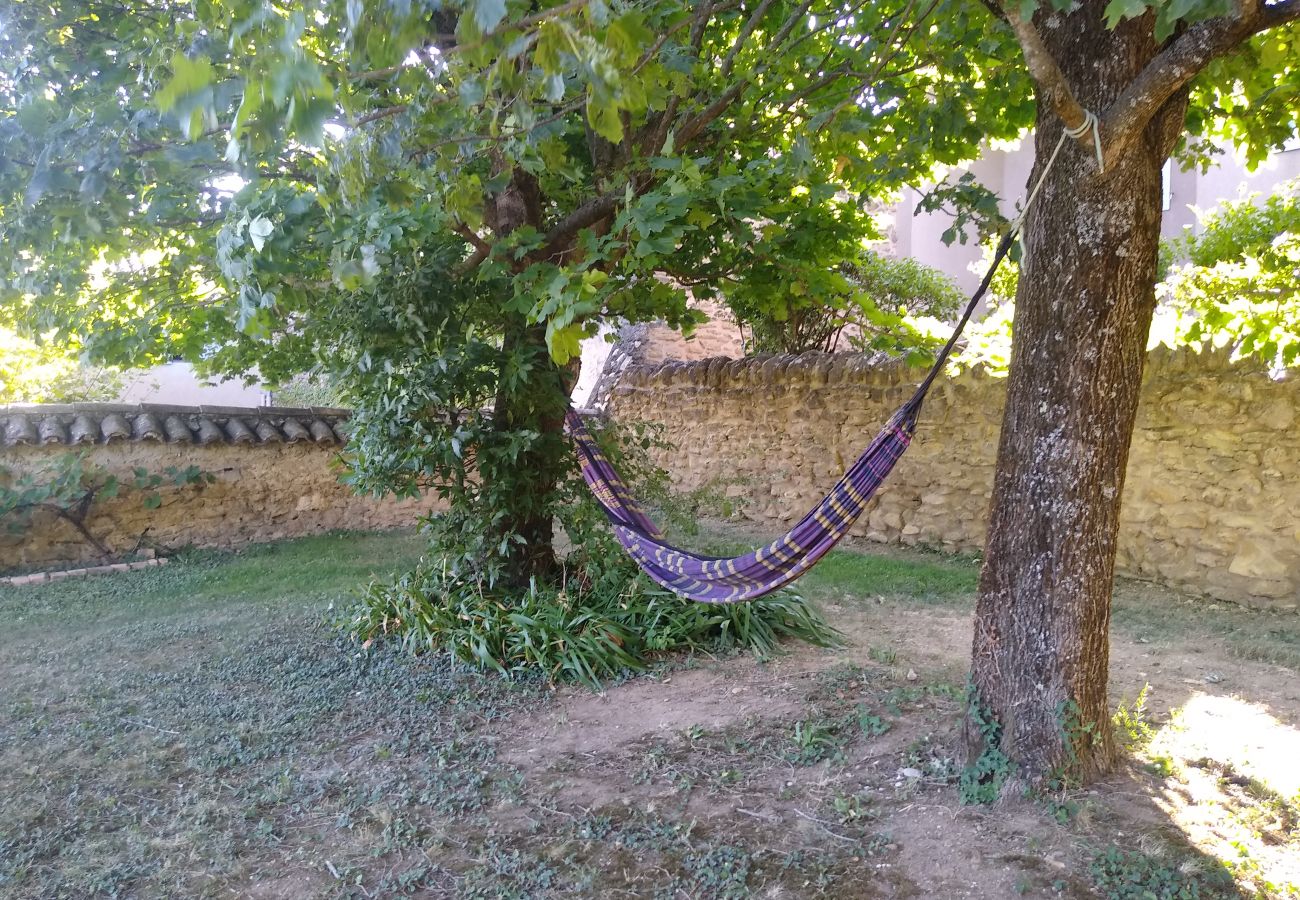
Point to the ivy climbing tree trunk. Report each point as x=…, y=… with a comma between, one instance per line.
x=531, y=400
x=1083, y=312
x=532, y=395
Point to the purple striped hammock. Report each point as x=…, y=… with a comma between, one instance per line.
x=711, y=579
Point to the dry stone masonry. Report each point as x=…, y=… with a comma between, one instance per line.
x=276, y=471
x=651, y=343
x=1212, y=503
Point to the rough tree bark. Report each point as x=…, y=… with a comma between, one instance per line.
x=536, y=402
x=1083, y=311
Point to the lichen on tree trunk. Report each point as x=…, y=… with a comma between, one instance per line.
x=1083, y=312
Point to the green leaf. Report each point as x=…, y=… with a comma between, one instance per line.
x=628, y=36
x=259, y=230
x=1119, y=10
x=551, y=40
x=471, y=92
x=604, y=118
x=553, y=88
x=189, y=77
x=489, y=13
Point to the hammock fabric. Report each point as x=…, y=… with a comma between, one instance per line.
x=710, y=579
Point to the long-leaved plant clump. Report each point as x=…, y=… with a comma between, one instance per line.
x=456, y=402
x=573, y=631
x=597, y=620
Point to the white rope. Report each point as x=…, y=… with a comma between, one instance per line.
x=1090, y=122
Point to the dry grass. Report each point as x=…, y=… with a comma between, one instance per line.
x=198, y=730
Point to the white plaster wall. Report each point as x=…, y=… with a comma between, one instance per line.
x=1006, y=173
x=176, y=382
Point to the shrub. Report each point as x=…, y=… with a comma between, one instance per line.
x=601, y=619
x=1239, y=281
x=1234, y=284
x=887, y=305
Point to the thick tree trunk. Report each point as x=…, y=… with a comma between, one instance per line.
x=535, y=404
x=1083, y=312
x=532, y=396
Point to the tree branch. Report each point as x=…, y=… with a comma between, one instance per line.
x=473, y=261
x=730, y=59
x=139, y=149
x=1052, y=86
x=381, y=114
x=480, y=245
x=993, y=7
x=585, y=215
x=795, y=18
x=897, y=40
x=377, y=74
x=702, y=13
x=692, y=128
x=77, y=521
x=1180, y=62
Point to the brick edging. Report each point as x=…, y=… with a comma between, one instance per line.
x=60, y=575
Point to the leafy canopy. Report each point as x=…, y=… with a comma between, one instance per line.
x=1234, y=283
x=213, y=180
x=40, y=372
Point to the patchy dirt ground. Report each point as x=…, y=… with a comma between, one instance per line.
x=196, y=731
x=720, y=745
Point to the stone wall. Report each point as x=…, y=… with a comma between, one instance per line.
x=276, y=476
x=652, y=343
x=1213, y=485
x=719, y=336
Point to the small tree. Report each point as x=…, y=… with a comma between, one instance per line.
x=876, y=303
x=69, y=487
x=1237, y=283
x=442, y=201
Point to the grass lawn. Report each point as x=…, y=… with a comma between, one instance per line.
x=198, y=730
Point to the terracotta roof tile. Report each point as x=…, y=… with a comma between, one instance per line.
x=114, y=427
x=145, y=427
x=177, y=431
x=322, y=433
x=295, y=431
x=238, y=431
x=267, y=433
x=52, y=431
x=84, y=430
x=20, y=431
x=99, y=423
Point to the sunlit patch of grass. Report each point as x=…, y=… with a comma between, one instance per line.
x=1235, y=789
x=920, y=578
